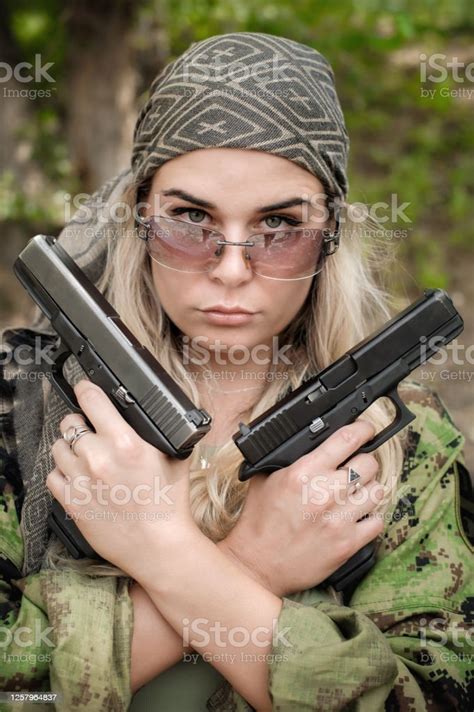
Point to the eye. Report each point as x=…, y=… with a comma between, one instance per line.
x=190, y=211
x=288, y=220
x=193, y=213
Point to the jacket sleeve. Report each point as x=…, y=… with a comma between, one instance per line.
x=61, y=630
x=404, y=641
x=25, y=650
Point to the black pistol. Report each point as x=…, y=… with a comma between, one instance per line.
x=338, y=394
x=88, y=327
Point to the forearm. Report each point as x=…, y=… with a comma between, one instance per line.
x=155, y=644
x=219, y=610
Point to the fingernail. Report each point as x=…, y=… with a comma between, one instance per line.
x=85, y=382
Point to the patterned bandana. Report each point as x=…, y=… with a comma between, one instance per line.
x=246, y=90
x=243, y=90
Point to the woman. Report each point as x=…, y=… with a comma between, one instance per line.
x=241, y=136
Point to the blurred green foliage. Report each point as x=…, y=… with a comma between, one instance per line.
x=419, y=148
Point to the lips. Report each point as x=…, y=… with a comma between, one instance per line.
x=227, y=316
x=221, y=309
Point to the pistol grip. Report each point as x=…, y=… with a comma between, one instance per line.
x=355, y=568
x=68, y=532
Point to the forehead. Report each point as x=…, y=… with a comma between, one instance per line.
x=222, y=169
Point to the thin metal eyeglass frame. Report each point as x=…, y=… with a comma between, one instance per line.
x=329, y=245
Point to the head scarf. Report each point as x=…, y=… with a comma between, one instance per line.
x=239, y=90
x=246, y=90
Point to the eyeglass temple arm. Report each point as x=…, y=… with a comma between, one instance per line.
x=331, y=241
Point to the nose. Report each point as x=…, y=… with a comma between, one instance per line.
x=232, y=267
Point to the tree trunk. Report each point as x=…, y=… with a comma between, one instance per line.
x=102, y=88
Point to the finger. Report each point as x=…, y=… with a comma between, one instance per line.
x=55, y=482
x=75, y=475
x=339, y=446
x=69, y=422
x=369, y=529
x=364, y=464
x=332, y=488
x=101, y=412
x=66, y=461
x=364, y=500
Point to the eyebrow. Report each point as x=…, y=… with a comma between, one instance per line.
x=291, y=202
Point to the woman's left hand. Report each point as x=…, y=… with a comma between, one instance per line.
x=124, y=495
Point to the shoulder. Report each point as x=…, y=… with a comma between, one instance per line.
x=432, y=437
x=433, y=444
x=426, y=548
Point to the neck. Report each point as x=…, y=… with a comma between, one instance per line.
x=224, y=375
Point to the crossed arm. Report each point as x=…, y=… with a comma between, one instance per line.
x=222, y=597
x=193, y=584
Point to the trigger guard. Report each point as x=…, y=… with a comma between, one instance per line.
x=403, y=416
x=58, y=380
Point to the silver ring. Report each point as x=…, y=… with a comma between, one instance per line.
x=74, y=433
x=353, y=480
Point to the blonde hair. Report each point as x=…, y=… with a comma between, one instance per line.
x=351, y=299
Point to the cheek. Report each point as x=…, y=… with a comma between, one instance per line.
x=286, y=302
x=168, y=285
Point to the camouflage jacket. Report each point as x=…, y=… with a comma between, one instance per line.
x=402, y=642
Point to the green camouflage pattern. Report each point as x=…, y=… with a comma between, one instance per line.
x=403, y=641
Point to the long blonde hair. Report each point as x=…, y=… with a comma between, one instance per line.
x=351, y=299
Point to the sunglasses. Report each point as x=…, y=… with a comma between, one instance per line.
x=285, y=254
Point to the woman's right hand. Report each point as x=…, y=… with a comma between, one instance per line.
x=299, y=524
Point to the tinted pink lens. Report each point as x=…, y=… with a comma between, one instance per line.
x=180, y=245
x=287, y=254
x=281, y=254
